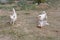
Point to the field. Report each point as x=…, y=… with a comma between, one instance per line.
x=25, y=27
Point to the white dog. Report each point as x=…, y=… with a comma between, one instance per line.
x=13, y=17
x=42, y=19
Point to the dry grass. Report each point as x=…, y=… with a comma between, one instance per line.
x=25, y=27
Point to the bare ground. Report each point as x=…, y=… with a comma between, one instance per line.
x=25, y=27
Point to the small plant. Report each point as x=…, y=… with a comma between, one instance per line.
x=25, y=6
x=40, y=1
x=10, y=1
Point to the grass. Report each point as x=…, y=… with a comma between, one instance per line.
x=25, y=27
x=7, y=6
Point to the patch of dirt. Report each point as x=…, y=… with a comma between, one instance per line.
x=5, y=37
x=26, y=25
